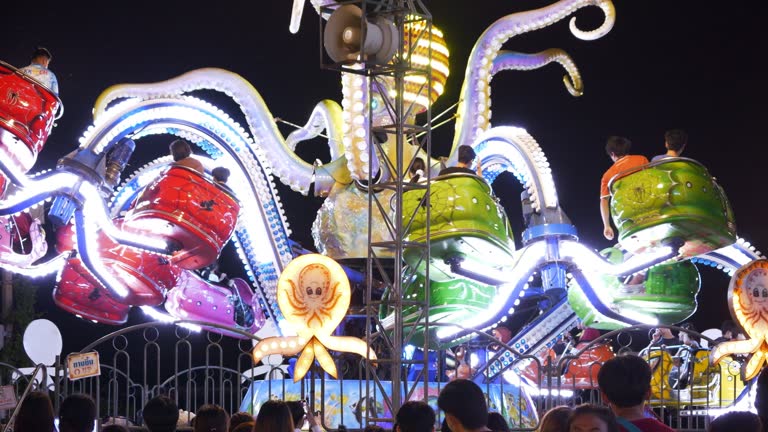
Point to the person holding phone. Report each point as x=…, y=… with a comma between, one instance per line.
x=301, y=414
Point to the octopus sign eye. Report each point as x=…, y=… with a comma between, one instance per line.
x=319, y=292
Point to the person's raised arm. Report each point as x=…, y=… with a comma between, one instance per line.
x=605, y=213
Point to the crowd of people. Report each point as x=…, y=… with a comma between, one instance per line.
x=624, y=384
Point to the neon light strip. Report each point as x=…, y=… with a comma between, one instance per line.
x=161, y=317
x=532, y=256
x=88, y=247
x=590, y=261
x=94, y=207
x=45, y=269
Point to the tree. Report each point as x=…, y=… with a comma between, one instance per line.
x=17, y=320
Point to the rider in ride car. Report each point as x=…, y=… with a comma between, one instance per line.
x=618, y=150
x=182, y=155
x=466, y=158
x=38, y=69
x=674, y=141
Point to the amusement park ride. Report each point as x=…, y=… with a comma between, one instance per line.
x=140, y=240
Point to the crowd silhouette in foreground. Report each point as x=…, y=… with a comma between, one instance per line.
x=624, y=385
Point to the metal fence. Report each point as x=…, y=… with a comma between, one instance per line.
x=143, y=361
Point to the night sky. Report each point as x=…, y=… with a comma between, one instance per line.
x=666, y=64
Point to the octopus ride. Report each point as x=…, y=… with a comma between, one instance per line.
x=142, y=240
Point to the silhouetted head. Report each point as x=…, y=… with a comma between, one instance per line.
x=274, y=416
x=161, y=414
x=617, y=146
x=463, y=403
x=41, y=56
x=625, y=380
x=35, y=414
x=297, y=413
x=676, y=140
x=211, y=418
x=590, y=417
x=415, y=416
x=466, y=154
x=220, y=174
x=180, y=149
x=77, y=413
x=497, y=422
x=555, y=420
x=742, y=421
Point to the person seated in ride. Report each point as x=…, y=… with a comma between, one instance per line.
x=618, y=150
x=38, y=69
x=213, y=274
x=502, y=332
x=674, y=141
x=220, y=175
x=662, y=338
x=730, y=331
x=182, y=155
x=587, y=335
x=466, y=158
x=682, y=362
x=416, y=172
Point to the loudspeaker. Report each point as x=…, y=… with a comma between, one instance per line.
x=343, y=36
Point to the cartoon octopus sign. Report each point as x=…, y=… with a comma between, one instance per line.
x=313, y=294
x=748, y=295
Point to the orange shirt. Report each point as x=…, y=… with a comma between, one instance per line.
x=623, y=164
x=193, y=163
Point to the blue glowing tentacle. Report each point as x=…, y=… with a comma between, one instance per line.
x=512, y=149
x=509, y=60
x=514, y=283
x=474, y=109
x=730, y=258
x=261, y=236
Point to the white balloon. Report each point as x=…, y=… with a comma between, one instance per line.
x=42, y=341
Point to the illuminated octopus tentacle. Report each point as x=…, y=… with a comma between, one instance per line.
x=474, y=109
x=509, y=60
x=507, y=148
x=347, y=344
x=326, y=116
x=286, y=345
x=289, y=168
x=262, y=246
x=754, y=347
x=356, y=127
x=729, y=258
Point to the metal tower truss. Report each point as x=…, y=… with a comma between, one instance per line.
x=397, y=91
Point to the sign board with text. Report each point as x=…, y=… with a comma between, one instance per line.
x=83, y=365
x=7, y=397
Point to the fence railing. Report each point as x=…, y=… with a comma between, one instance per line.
x=151, y=359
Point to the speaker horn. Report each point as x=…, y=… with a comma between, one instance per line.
x=342, y=37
